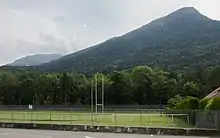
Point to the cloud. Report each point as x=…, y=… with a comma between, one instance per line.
x=25, y=26
x=85, y=25
x=64, y=26
x=24, y=33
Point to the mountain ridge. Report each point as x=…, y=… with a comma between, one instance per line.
x=35, y=59
x=178, y=40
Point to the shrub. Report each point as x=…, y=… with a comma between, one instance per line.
x=172, y=102
x=189, y=103
x=213, y=104
x=188, y=106
x=203, y=103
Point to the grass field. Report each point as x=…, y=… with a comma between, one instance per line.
x=110, y=119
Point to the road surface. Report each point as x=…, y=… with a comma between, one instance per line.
x=20, y=133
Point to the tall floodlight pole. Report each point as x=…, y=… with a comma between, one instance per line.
x=91, y=83
x=103, y=94
x=96, y=94
x=92, y=97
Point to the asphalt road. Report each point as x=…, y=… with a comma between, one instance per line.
x=17, y=133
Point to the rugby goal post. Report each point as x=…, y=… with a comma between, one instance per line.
x=97, y=104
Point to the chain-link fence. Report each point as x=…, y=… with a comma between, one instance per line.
x=111, y=117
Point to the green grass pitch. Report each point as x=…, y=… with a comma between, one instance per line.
x=107, y=119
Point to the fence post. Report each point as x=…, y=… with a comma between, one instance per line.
x=115, y=118
x=218, y=123
x=92, y=118
x=23, y=115
x=50, y=117
x=172, y=118
x=31, y=117
x=71, y=116
x=216, y=118
x=12, y=117
x=141, y=118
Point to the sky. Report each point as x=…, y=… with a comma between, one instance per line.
x=65, y=26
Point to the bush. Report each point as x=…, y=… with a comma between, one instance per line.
x=213, y=104
x=189, y=103
x=172, y=102
x=188, y=106
x=203, y=103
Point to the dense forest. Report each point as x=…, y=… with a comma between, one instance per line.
x=139, y=85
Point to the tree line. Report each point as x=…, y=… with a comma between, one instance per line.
x=140, y=85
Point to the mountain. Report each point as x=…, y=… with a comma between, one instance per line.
x=37, y=59
x=184, y=39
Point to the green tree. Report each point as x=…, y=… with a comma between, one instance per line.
x=120, y=91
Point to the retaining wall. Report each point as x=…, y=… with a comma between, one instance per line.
x=115, y=129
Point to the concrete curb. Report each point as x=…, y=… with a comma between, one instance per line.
x=115, y=129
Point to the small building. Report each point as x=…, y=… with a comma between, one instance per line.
x=215, y=93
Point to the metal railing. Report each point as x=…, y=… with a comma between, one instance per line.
x=115, y=117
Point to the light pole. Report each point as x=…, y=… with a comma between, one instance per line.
x=96, y=94
x=91, y=101
x=103, y=94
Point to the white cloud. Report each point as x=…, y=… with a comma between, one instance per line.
x=25, y=26
x=85, y=25
x=25, y=33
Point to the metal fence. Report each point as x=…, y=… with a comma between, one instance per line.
x=79, y=107
x=111, y=117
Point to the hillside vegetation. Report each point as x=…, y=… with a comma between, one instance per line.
x=37, y=59
x=140, y=85
x=182, y=40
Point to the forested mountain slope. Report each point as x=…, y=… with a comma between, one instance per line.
x=36, y=59
x=184, y=39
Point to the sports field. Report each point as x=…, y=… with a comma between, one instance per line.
x=109, y=119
